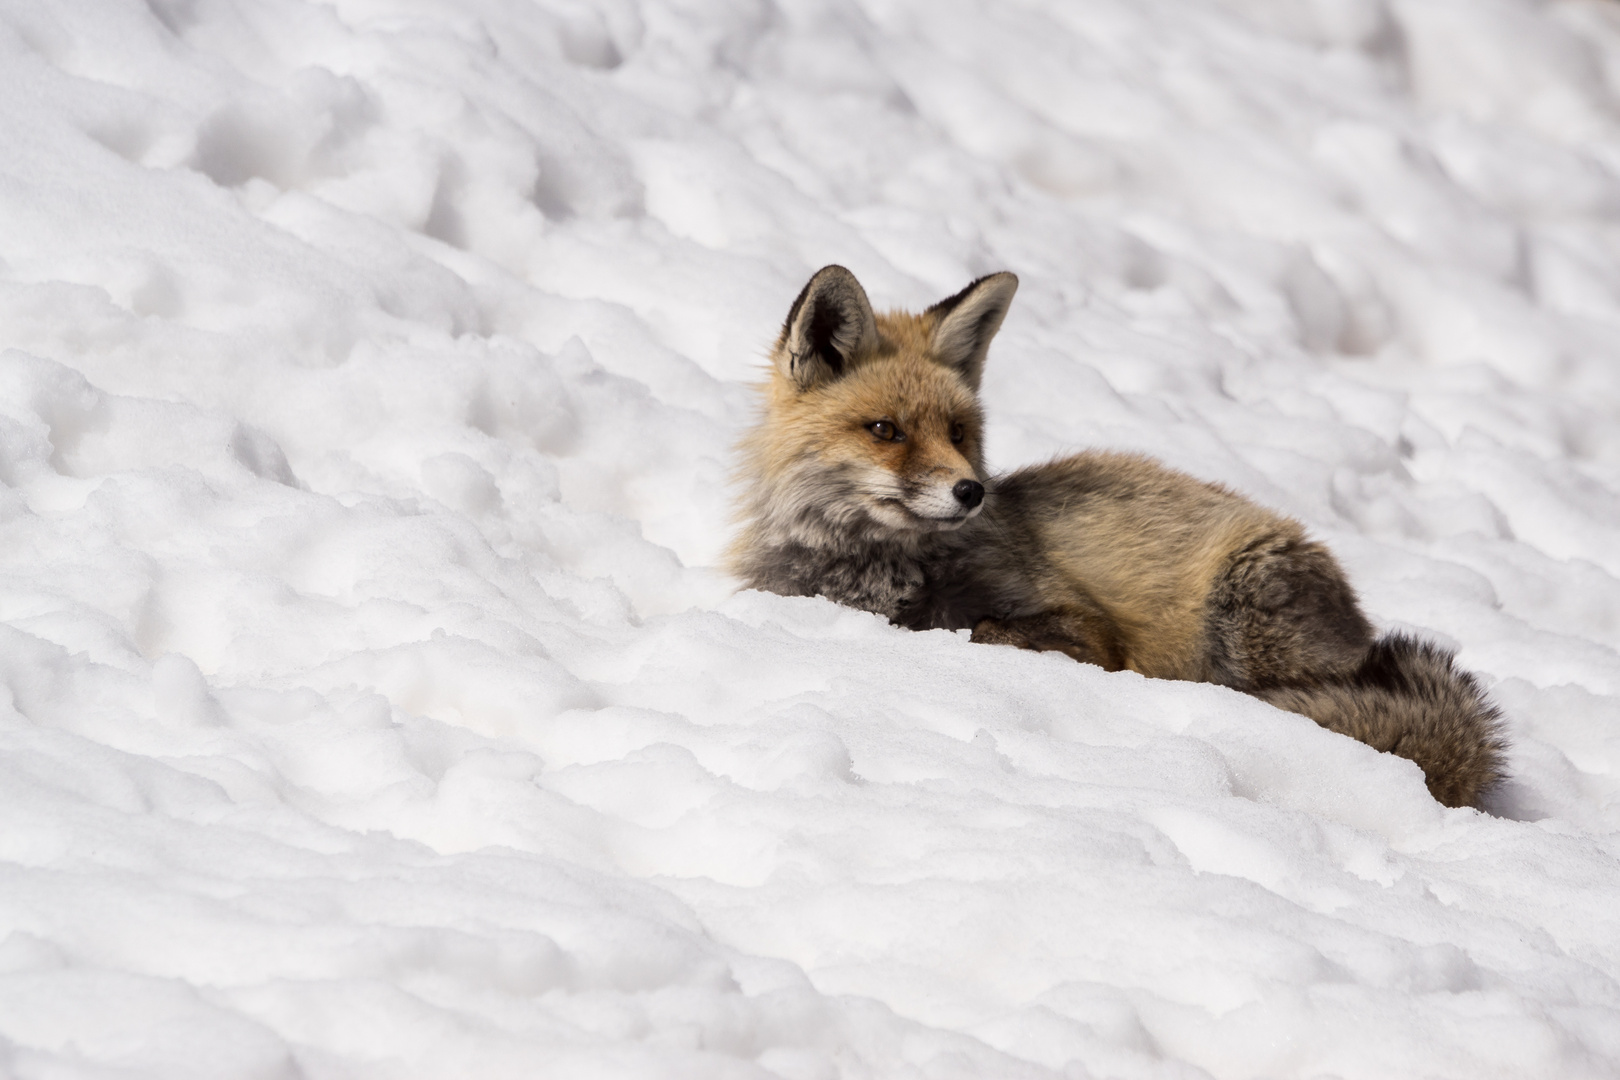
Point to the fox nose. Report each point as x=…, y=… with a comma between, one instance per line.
x=969, y=493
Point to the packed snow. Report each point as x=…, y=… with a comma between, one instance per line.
x=375, y=706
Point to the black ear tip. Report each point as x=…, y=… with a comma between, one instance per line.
x=1004, y=282
x=831, y=270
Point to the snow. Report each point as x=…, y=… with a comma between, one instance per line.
x=369, y=373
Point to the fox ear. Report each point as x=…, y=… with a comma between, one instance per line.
x=828, y=327
x=965, y=323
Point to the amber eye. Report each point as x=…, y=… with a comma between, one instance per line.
x=957, y=434
x=886, y=431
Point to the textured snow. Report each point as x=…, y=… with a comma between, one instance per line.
x=373, y=704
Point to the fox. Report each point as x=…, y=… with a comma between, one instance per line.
x=864, y=481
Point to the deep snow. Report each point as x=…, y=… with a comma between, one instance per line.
x=376, y=708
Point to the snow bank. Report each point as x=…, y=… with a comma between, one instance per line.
x=369, y=376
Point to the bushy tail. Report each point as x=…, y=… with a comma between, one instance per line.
x=1408, y=698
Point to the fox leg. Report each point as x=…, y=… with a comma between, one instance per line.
x=1282, y=613
x=1088, y=638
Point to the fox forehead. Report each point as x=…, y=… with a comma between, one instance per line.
x=902, y=388
x=918, y=393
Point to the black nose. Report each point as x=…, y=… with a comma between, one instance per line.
x=969, y=493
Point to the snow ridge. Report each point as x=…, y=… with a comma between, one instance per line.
x=369, y=372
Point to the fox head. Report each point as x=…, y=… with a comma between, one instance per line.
x=872, y=422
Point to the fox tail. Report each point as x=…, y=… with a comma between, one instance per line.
x=1409, y=698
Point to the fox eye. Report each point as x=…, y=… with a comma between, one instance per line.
x=886, y=431
x=957, y=434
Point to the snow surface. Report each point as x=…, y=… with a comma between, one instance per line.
x=375, y=707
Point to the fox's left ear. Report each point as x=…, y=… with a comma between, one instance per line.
x=965, y=323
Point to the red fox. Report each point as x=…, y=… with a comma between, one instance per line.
x=865, y=483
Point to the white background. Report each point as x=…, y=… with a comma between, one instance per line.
x=373, y=706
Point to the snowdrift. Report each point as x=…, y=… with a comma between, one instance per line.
x=373, y=708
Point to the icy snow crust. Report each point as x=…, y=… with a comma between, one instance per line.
x=374, y=706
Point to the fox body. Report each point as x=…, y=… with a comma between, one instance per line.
x=865, y=483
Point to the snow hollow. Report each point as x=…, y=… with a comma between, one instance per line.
x=373, y=707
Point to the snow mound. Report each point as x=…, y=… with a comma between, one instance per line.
x=371, y=706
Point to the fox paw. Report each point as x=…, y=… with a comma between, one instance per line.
x=1039, y=634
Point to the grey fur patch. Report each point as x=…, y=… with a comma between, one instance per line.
x=1283, y=612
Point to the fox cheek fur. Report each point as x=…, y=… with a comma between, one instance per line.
x=864, y=482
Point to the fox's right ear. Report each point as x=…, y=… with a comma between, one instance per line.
x=829, y=326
